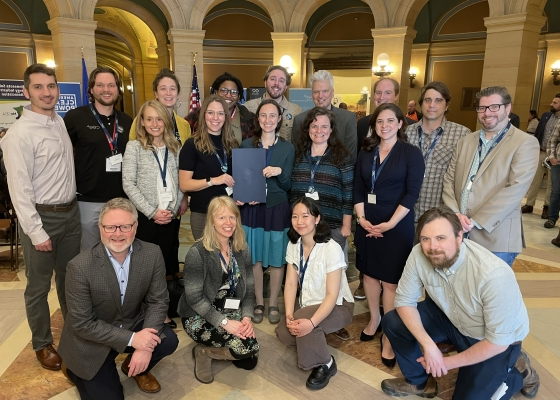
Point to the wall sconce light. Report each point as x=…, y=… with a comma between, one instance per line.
x=130, y=89
x=50, y=64
x=412, y=75
x=286, y=62
x=555, y=73
x=382, y=69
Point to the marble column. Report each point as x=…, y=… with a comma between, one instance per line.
x=183, y=43
x=549, y=90
x=68, y=37
x=293, y=45
x=397, y=43
x=510, y=57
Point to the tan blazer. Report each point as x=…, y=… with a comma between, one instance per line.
x=497, y=190
x=96, y=321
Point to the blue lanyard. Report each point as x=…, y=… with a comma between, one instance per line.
x=440, y=132
x=112, y=140
x=230, y=271
x=314, y=169
x=302, y=266
x=374, y=172
x=163, y=170
x=177, y=136
x=269, y=152
x=498, y=140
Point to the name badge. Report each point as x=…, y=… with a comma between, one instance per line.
x=232, y=303
x=110, y=167
x=116, y=159
x=166, y=195
x=372, y=198
x=229, y=191
x=314, y=195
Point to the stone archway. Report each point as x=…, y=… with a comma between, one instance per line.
x=60, y=8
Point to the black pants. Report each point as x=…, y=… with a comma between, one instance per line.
x=106, y=384
x=162, y=235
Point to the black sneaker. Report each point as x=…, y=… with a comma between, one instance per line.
x=320, y=376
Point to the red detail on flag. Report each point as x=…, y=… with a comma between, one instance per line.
x=195, y=94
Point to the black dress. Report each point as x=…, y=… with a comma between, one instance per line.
x=397, y=184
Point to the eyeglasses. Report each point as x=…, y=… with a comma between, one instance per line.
x=224, y=91
x=211, y=114
x=491, y=107
x=113, y=228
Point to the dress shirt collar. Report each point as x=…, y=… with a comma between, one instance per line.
x=460, y=260
x=40, y=118
x=111, y=258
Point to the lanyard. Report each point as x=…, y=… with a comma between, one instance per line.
x=163, y=170
x=303, y=267
x=498, y=140
x=269, y=152
x=314, y=169
x=374, y=171
x=223, y=164
x=177, y=136
x=440, y=132
x=230, y=271
x=112, y=140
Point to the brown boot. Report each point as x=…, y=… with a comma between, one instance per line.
x=146, y=382
x=544, y=214
x=203, y=356
x=556, y=241
x=531, y=381
x=49, y=358
x=399, y=387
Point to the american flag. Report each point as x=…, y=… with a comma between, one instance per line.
x=195, y=94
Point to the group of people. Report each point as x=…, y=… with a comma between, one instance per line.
x=321, y=167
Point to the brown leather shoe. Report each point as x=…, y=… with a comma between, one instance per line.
x=531, y=380
x=400, y=387
x=342, y=334
x=49, y=358
x=146, y=382
x=556, y=241
x=544, y=214
x=526, y=209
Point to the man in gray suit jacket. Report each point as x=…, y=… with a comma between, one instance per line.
x=322, y=91
x=489, y=174
x=117, y=300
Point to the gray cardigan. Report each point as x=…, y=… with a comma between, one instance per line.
x=139, y=176
x=202, y=276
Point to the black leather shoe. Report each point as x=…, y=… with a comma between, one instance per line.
x=320, y=376
x=526, y=209
x=388, y=362
x=364, y=337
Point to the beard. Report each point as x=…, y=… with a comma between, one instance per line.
x=442, y=261
x=553, y=110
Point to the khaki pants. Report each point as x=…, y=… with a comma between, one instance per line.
x=312, y=349
x=536, y=184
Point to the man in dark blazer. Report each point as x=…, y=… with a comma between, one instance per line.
x=117, y=300
x=322, y=92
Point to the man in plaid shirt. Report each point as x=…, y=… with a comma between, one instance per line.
x=437, y=139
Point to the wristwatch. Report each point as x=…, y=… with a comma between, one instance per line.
x=209, y=181
x=224, y=322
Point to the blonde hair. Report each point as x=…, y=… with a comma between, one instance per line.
x=145, y=138
x=210, y=238
x=202, y=139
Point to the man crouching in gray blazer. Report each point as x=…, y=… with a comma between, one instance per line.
x=117, y=299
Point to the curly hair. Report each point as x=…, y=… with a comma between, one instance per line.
x=226, y=76
x=165, y=73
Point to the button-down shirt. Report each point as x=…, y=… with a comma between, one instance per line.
x=436, y=162
x=553, y=141
x=40, y=166
x=551, y=126
x=478, y=293
x=289, y=111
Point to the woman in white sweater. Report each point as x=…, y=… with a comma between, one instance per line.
x=150, y=177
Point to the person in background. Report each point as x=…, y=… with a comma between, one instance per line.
x=217, y=306
x=230, y=88
x=267, y=224
x=205, y=161
x=533, y=122
x=343, y=105
x=151, y=181
x=412, y=113
x=387, y=182
x=316, y=266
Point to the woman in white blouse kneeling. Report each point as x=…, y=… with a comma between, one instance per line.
x=316, y=265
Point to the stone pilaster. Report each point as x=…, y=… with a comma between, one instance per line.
x=293, y=45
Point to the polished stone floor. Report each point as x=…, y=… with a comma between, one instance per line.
x=277, y=376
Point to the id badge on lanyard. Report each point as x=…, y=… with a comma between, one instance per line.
x=231, y=301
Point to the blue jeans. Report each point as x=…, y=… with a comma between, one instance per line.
x=474, y=382
x=509, y=258
x=554, y=193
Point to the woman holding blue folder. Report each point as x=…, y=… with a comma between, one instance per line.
x=266, y=225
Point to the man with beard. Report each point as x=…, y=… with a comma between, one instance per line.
x=41, y=180
x=276, y=81
x=489, y=174
x=546, y=126
x=475, y=304
x=99, y=134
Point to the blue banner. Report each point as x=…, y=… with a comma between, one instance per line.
x=302, y=97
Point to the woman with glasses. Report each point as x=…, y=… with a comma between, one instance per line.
x=151, y=178
x=266, y=224
x=205, y=161
x=229, y=88
x=217, y=305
